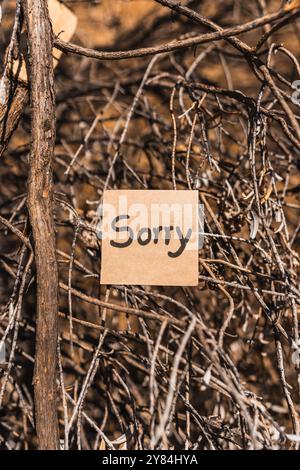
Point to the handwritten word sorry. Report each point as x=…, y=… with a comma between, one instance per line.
x=146, y=235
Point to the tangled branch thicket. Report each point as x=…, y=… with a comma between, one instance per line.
x=205, y=99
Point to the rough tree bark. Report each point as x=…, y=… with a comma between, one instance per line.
x=40, y=204
x=10, y=114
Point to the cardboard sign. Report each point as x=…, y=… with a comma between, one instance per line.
x=64, y=24
x=149, y=238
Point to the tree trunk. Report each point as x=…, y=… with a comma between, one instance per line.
x=40, y=205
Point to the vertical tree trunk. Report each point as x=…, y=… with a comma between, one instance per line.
x=40, y=202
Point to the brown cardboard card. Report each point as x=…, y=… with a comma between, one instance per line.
x=64, y=24
x=149, y=237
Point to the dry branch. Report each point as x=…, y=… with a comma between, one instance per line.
x=40, y=206
x=10, y=114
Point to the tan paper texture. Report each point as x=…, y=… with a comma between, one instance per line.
x=156, y=261
x=64, y=24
